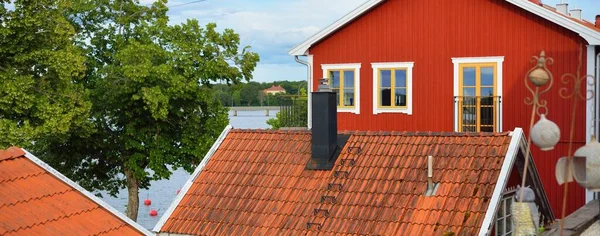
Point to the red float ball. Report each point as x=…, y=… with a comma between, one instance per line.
x=153, y=212
x=147, y=202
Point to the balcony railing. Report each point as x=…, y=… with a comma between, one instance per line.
x=293, y=111
x=478, y=113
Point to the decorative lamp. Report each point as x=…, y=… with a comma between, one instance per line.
x=586, y=165
x=539, y=76
x=545, y=134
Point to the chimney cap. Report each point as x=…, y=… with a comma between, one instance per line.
x=324, y=85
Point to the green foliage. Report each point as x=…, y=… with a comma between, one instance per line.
x=251, y=94
x=294, y=113
x=127, y=96
x=40, y=68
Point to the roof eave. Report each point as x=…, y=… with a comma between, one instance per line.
x=591, y=36
x=302, y=48
x=509, y=160
x=86, y=193
x=157, y=228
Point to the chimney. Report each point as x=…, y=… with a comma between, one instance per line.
x=597, y=21
x=576, y=13
x=324, y=129
x=563, y=8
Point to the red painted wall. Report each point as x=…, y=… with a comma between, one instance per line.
x=430, y=33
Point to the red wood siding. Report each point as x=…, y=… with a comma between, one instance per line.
x=430, y=33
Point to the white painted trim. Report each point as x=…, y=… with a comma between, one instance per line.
x=590, y=35
x=302, y=48
x=85, y=193
x=310, y=82
x=589, y=116
x=188, y=184
x=409, y=86
x=507, y=165
x=499, y=70
x=356, y=67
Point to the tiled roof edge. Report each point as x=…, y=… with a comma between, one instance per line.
x=509, y=160
x=83, y=191
x=10, y=153
x=189, y=182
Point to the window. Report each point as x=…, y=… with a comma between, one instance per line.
x=392, y=87
x=477, y=91
x=344, y=79
x=504, y=223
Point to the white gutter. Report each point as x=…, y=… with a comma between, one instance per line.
x=85, y=193
x=188, y=184
x=309, y=83
x=509, y=160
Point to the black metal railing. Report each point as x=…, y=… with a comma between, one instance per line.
x=293, y=111
x=478, y=113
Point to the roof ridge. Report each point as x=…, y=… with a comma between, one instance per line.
x=38, y=198
x=55, y=219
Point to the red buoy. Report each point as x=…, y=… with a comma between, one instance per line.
x=147, y=202
x=178, y=191
x=153, y=212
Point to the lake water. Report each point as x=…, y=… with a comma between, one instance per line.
x=163, y=192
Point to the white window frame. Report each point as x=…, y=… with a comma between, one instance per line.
x=392, y=65
x=504, y=216
x=457, y=61
x=356, y=68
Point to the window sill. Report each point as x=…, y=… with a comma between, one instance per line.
x=392, y=110
x=348, y=110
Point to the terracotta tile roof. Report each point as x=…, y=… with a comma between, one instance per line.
x=256, y=183
x=581, y=22
x=35, y=201
x=275, y=88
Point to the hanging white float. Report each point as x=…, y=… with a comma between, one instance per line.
x=545, y=134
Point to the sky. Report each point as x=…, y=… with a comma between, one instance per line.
x=273, y=27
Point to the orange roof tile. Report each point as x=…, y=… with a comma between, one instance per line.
x=36, y=200
x=256, y=182
x=275, y=88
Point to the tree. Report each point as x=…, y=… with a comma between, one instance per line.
x=150, y=86
x=40, y=73
x=249, y=93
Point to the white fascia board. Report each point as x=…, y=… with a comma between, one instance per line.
x=87, y=194
x=590, y=35
x=190, y=181
x=509, y=160
x=302, y=49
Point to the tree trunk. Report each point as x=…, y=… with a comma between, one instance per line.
x=133, y=202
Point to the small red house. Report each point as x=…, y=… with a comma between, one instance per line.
x=430, y=65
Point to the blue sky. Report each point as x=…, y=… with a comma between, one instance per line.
x=272, y=27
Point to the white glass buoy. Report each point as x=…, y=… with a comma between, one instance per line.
x=545, y=134
x=586, y=166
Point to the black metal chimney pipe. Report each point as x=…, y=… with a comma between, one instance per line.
x=324, y=128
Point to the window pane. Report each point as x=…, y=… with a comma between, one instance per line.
x=469, y=116
x=348, y=79
x=400, y=98
x=385, y=99
x=469, y=76
x=500, y=227
x=487, y=91
x=334, y=79
x=337, y=96
x=487, y=76
x=469, y=92
x=400, y=78
x=385, y=77
x=508, y=224
x=348, y=97
x=508, y=206
x=487, y=115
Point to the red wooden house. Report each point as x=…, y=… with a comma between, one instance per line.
x=430, y=65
